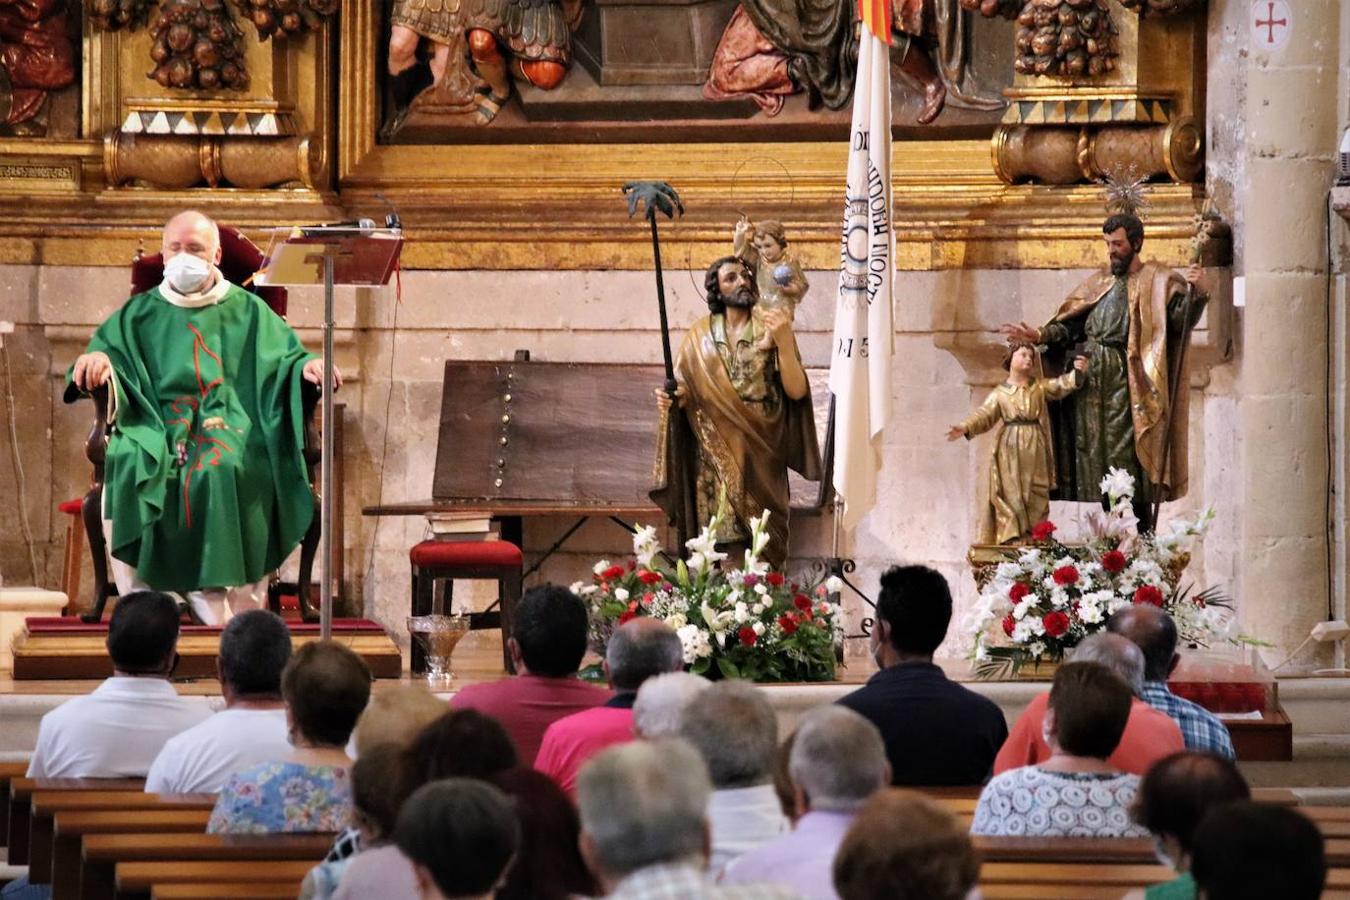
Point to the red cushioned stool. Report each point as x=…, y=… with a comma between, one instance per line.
x=498, y=561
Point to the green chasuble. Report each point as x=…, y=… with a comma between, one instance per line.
x=205, y=478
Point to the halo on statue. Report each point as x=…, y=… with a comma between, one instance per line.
x=1123, y=191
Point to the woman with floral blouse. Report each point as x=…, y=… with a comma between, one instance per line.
x=325, y=686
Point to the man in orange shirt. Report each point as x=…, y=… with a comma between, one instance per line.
x=1149, y=734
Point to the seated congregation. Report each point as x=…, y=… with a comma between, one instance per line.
x=666, y=785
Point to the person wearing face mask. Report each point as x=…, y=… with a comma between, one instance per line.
x=936, y=732
x=1174, y=797
x=205, y=489
x=744, y=395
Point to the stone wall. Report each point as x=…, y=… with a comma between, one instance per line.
x=946, y=359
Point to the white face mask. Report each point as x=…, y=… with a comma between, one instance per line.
x=187, y=273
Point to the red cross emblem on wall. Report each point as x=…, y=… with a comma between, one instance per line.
x=1270, y=22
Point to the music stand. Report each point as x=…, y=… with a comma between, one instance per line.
x=329, y=255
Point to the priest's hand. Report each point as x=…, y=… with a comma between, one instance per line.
x=1080, y=363
x=91, y=370
x=1020, y=332
x=663, y=399
x=313, y=373
x=956, y=432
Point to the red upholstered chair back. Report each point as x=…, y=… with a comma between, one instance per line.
x=240, y=258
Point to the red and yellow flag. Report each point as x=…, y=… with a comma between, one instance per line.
x=876, y=17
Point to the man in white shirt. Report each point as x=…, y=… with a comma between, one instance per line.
x=254, y=648
x=116, y=731
x=838, y=761
x=733, y=727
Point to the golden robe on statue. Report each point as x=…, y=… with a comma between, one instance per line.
x=747, y=433
x=1022, y=466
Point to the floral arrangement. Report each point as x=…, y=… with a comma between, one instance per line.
x=748, y=622
x=1048, y=596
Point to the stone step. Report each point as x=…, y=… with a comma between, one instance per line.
x=1321, y=767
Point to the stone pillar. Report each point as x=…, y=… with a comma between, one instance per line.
x=1291, y=121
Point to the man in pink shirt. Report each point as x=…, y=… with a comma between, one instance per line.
x=637, y=651
x=1149, y=734
x=547, y=642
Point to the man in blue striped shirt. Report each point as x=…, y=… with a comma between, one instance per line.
x=1156, y=634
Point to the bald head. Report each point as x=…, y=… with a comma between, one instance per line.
x=194, y=233
x=640, y=649
x=1153, y=632
x=1115, y=653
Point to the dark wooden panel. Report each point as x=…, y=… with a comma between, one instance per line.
x=571, y=433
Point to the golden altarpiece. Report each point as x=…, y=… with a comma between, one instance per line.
x=1011, y=188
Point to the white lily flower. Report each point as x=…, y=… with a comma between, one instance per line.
x=1117, y=483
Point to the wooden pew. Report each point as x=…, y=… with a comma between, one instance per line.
x=136, y=879
x=104, y=855
x=71, y=827
x=20, y=802
x=8, y=772
x=45, y=805
x=223, y=890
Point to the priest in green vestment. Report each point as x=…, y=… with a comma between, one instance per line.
x=205, y=482
x=1130, y=321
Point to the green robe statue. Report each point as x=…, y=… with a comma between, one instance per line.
x=205, y=481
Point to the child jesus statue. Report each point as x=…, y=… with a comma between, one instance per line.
x=1022, y=467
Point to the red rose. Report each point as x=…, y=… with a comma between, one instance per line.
x=1149, y=594
x=646, y=576
x=1056, y=623
x=747, y=636
x=774, y=579
x=1009, y=623
x=612, y=572
x=1042, y=530
x=1113, y=561
x=648, y=598
x=801, y=601
x=1018, y=591
x=627, y=616
x=1065, y=575
x=787, y=623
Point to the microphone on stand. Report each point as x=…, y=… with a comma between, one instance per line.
x=364, y=227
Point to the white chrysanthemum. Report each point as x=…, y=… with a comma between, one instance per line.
x=1008, y=571
x=741, y=612
x=601, y=566
x=621, y=594
x=676, y=621
x=1024, y=606
x=1059, y=598
x=1118, y=603
x=1036, y=649
x=759, y=608
x=695, y=642
x=758, y=628
x=761, y=588
x=1090, y=612
x=1022, y=632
